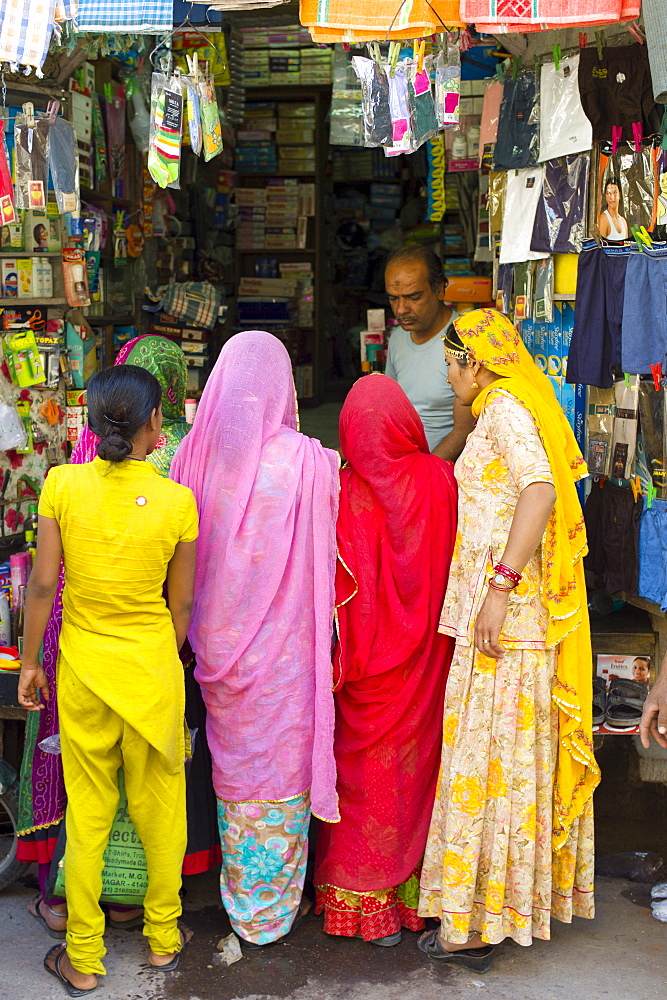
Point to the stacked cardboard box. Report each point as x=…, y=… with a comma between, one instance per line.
x=284, y=67
x=251, y=207
x=296, y=137
x=316, y=66
x=275, y=217
x=302, y=273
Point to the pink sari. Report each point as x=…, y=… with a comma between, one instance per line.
x=264, y=592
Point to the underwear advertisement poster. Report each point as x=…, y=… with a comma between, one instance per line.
x=627, y=194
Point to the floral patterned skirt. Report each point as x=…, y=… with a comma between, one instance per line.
x=370, y=914
x=264, y=857
x=489, y=866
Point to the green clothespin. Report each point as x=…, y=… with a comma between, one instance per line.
x=634, y=232
x=516, y=66
x=556, y=49
x=394, y=52
x=599, y=42
x=626, y=376
x=651, y=494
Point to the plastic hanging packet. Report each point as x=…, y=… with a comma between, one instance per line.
x=518, y=131
x=378, y=128
x=398, y=103
x=64, y=166
x=31, y=152
x=423, y=120
x=448, y=86
x=194, y=124
x=544, y=290
x=164, y=147
x=7, y=210
x=99, y=141
x=210, y=121
x=115, y=116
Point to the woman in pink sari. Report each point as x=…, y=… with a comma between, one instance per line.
x=261, y=626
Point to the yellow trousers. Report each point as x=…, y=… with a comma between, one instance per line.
x=95, y=742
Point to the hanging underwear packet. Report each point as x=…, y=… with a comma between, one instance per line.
x=64, y=166
x=7, y=210
x=31, y=152
x=378, y=128
x=194, y=114
x=423, y=120
x=398, y=103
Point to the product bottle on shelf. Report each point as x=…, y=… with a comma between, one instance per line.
x=30, y=531
x=5, y=620
x=19, y=619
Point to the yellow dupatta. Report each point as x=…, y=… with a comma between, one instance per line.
x=490, y=338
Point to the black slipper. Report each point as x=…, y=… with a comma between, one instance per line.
x=171, y=966
x=475, y=959
x=70, y=989
x=56, y=935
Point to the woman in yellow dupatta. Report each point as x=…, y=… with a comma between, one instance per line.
x=511, y=836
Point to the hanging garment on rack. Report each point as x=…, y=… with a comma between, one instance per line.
x=368, y=20
x=131, y=16
x=25, y=32
x=491, y=17
x=560, y=217
x=598, y=316
x=612, y=528
x=564, y=127
x=517, y=140
x=655, y=27
x=616, y=91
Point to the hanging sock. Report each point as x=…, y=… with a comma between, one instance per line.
x=164, y=154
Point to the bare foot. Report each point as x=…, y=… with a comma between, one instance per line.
x=55, y=916
x=75, y=978
x=124, y=916
x=305, y=906
x=474, y=942
x=158, y=961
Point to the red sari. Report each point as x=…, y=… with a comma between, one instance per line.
x=395, y=534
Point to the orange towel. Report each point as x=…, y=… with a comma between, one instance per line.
x=340, y=21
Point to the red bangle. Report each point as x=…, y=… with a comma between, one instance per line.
x=508, y=572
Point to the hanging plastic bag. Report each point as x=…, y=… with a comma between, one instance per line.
x=488, y=127
x=398, y=103
x=115, y=116
x=423, y=120
x=564, y=127
x=448, y=85
x=378, y=128
x=210, y=121
x=517, y=141
x=521, y=197
x=140, y=121
x=64, y=166
x=164, y=148
x=100, y=141
x=31, y=153
x=626, y=195
x=194, y=114
x=7, y=210
x=543, y=308
x=561, y=211
x=12, y=431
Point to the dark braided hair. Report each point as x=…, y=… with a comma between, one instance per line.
x=120, y=402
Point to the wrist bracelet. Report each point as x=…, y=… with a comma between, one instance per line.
x=508, y=572
x=503, y=590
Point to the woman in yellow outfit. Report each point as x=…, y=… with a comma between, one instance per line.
x=122, y=531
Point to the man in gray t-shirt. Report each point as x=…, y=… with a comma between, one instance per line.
x=416, y=360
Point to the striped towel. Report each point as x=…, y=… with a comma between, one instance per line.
x=367, y=20
x=126, y=16
x=26, y=27
x=517, y=15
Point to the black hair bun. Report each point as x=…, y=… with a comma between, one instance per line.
x=114, y=447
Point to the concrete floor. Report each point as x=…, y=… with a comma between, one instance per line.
x=622, y=954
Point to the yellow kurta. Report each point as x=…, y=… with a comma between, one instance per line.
x=120, y=525
x=120, y=687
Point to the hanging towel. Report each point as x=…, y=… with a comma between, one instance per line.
x=655, y=26
x=490, y=16
x=155, y=16
x=26, y=27
x=367, y=20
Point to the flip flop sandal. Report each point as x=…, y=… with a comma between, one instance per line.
x=70, y=989
x=625, y=703
x=173, y=965
x=475, y=959
x=389, y=941
x=599, y=700
x=56, y=935
x=126, y=925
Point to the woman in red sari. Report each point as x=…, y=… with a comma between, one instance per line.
x=396, y=531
